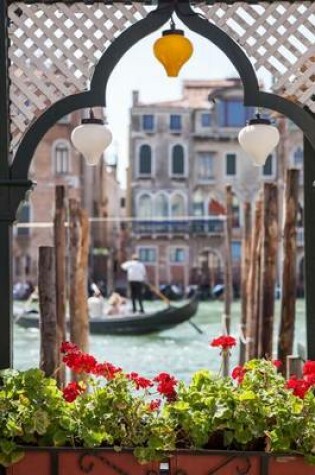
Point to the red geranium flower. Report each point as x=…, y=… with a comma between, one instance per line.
x=238, y=373
x=68, y=347
x=140, y=382
x=299, y=386
x=107, y=370
x=277, y=363
x=80, y=362
x=310, y=379
x=72, y=391
x=154, y=404
x=225, y=342
x=166, y=385
x=309, y=367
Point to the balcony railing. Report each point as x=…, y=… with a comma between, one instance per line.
x=195, y=226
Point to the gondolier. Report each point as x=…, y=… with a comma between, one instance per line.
x=136, y=275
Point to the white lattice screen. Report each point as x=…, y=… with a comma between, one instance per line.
x=54, y=46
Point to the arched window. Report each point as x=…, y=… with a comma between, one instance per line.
x=24, y=217
x=145, y=160
x=178, y=160
x=62, y=158
x=178, y=205
x=161, y=205
x=145, y=206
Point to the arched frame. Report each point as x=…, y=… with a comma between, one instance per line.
x=14, y=182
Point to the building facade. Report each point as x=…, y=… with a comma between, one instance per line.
x=182, y=155
x=56, y=162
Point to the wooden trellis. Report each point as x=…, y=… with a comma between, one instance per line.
x=53, y=48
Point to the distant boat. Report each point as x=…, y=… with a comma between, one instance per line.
x=133, y=324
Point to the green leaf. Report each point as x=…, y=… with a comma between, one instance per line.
x=59, y=438
x=41, y=421
x=247, y=396
x=7, y=446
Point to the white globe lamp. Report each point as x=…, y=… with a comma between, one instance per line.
x=91, y=138
x=258, y=139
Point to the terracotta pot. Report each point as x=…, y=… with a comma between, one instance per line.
x=239, y=463
x=79, y=462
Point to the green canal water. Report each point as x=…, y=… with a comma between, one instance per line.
x=180, y=351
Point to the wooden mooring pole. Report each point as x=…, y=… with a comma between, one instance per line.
x=228, y=278
x=60, y=258
x=268, y=268
x=47, y=310
x=287, y=319
x=78, y=254
x=245, y=267
x=253, y=286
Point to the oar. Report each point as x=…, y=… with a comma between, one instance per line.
x=198, y=329
x=159, y=294
x=167, y=301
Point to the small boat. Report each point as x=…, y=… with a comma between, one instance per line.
x=134, y=324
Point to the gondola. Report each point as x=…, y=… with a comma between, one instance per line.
x=135, y=324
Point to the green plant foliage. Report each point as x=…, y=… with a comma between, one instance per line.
x=211, y=412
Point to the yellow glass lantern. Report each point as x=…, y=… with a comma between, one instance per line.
x=173, y=50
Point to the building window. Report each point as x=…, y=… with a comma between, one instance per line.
x=62, y=158
x=205, y=166
x=298, y=157
x=175, y=122
x=177, y=255
x=147, y=254
x=232, y=113
x=205, y=119
x=198, y=203
x=148, y=122
x=230, y=164
x=178, y=160
x=145, y=160
x=24, y=217
x=268, y=167
x=161, y=205
x=145, y=206
x=236, y=251
x=178, y=205
x=123, y=202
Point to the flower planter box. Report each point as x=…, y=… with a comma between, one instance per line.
x=205, y=462
x=79, y=461
x=48, y=461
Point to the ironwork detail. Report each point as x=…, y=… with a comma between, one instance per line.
x=240, y=470
x=87, y=463
x=55, y=46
